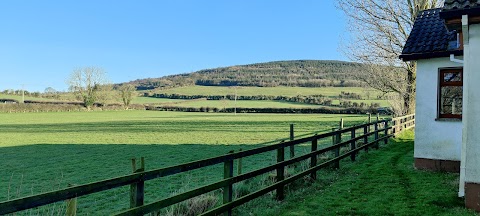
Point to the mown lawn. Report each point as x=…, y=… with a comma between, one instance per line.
x=46, y=151
x=381, y=182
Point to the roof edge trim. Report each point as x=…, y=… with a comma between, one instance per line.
x=418, y=56
x=457, y=13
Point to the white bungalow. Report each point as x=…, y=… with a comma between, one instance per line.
x=445, y=43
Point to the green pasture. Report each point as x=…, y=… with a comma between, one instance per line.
x=240, y=103
x=19, y=97
x=152, y=100
x=275, y=91
x=46, y=151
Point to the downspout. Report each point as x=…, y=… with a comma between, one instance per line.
x=466, y=56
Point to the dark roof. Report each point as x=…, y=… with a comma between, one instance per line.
x=429, y=38
x=460, y=4
x=457, y=8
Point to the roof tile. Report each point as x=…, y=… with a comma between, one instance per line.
x=460, y=4
x=429, y=34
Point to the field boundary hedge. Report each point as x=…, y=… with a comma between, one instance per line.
x=307, y=99
x=14, y=106
x=323, y=110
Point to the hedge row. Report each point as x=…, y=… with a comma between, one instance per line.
x=57, y=107
x=310, y=99
x=325, y=110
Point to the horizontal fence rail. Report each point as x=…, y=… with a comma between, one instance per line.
x=403, y=123
x=137, y=179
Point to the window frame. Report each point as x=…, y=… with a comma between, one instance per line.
x=441, y=83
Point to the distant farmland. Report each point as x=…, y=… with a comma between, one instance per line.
x=275, y=91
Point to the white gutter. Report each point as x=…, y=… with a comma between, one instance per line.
x=466, y=55
x=453, y=59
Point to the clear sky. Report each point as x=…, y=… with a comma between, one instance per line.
x=41, y=42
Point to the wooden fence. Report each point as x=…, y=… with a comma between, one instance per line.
x=372, y=134
x=403, y=123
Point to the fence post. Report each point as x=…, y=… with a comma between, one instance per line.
x=137, y=189
x=402, y=123
x=369, y=121
x=397, y=129
x=365, y=138
x=336, y=140
x=394, y=126
x=292, y=137
x=280, y=173
x=228, y=190
x=334, y=136
x=71, y=205
x=352, y=145
x=239, y=165
x=386, y=132
x=313, y=160
x=376, y=135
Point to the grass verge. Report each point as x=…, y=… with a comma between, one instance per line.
x=381, y=182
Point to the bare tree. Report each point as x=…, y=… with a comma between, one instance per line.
x=106, y=94
x=127, y=93
x=51, y=92
x=85, y=83
x=379, y=30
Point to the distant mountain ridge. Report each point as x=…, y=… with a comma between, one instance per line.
x=302, y=73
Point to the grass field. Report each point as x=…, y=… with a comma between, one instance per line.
x=45, y=151
x=214, y=90
x=151, y=100
x=275, y=91
x=240, y=103
x=19, y=97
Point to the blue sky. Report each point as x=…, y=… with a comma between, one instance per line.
x=41, y=42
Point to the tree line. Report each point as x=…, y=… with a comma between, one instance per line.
x=89, y=85
x=302, y=73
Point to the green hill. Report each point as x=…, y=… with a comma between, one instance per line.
x=298, y=73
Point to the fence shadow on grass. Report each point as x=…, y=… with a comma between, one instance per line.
x=33, y=169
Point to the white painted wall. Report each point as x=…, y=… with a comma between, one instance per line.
x=439, y=140
x=472, y=99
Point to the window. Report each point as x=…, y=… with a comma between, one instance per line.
x=450, y=93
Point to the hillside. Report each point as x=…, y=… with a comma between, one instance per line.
x=299, y=73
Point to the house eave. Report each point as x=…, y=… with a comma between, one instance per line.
x=430, y=55
x=457, y=13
